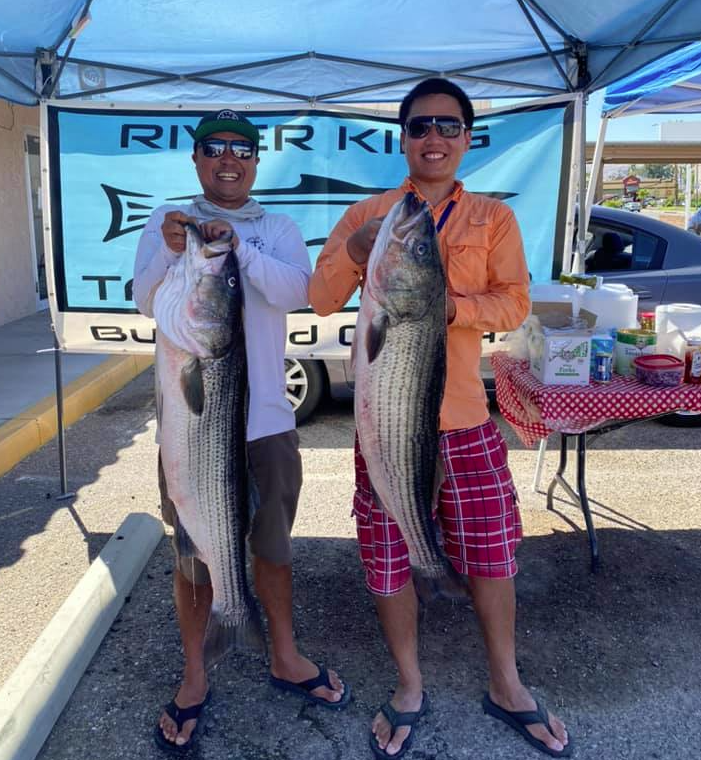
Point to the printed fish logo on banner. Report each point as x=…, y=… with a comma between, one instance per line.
x=309, y=185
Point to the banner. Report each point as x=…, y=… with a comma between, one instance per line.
x=110, y=168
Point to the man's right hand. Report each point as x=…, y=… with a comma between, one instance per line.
x=360, y=243
x=173, y=229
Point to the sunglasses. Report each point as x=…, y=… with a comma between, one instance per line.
x=447, y=126
x=215, y=148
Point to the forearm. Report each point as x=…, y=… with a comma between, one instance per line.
x=153, y=258
x=336, y=276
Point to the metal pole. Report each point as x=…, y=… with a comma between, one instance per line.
x=574, y=178
x=65, y=494
x=578, y=262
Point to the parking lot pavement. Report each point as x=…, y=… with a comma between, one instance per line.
x=616, y=654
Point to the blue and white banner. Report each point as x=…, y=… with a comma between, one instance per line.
x=110, y=168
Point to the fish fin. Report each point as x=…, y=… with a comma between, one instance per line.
x=186, y=547
x=224, y=635
x=193, y=386
x=376, y=335
x=448, y=585
x=379, y=503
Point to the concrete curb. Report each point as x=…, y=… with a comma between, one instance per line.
x=37, y=425
x=37, y=691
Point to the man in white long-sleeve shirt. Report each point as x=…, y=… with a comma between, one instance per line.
x=275, y=271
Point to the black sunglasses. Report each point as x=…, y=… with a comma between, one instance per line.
x=216, y=147
x=447, y=126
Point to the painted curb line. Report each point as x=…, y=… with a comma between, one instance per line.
x=35, y=426
x=37, y=691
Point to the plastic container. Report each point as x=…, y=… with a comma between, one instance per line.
x=661, y=370
x=692, y=361
x=615, y=306
x=555, y=292
x=630, y=344
x=670, y=317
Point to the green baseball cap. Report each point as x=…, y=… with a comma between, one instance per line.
x=226, y=120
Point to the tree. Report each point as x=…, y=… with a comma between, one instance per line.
x=659, y=171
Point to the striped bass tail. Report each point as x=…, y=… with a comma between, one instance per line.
x=449, y=584
x=223, y=635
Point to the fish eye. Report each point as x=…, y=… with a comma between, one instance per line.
x=421, y=249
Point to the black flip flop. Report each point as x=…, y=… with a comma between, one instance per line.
x=396, y=720
x=519, y=720
x=305, y=688
x=180, y=715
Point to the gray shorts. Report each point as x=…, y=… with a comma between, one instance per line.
x=276, y=466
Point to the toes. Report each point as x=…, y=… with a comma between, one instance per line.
x=397, y=740
x=184, y=736
x=541, y=732
x=558, y=729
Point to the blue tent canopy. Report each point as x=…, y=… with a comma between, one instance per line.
x=670, y=85
x=176, y=51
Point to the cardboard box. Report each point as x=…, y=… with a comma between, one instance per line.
x=561, y=357
x=560, y=354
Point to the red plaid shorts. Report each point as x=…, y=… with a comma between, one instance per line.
x=477, y=514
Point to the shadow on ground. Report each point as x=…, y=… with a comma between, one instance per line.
x=615, y=654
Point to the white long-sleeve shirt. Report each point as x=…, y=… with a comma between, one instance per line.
x=275, y=270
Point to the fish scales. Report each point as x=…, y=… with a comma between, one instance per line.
x=400, y=365
x=202, y=375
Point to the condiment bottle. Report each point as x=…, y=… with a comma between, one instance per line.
x=692, y=361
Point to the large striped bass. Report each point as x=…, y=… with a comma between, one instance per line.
x=203, y=389
x=400, y=364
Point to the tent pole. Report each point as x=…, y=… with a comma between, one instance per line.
x=60, y=432
x=578, y=259
x=687, y=197
x=595, y=168
x=574, y=178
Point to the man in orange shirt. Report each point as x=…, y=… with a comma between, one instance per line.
x=478, y=509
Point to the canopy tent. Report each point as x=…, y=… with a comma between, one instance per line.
x=174, y=51
x=180, y=51
x=671, y=85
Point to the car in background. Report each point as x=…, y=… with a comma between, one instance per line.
x=659, y=262
x=632, y=205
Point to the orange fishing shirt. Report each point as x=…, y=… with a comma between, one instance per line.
x=482, y=253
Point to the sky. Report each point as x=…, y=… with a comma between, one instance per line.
x=632, y=128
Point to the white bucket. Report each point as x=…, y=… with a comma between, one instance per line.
x=555, y=292
x=615, y=306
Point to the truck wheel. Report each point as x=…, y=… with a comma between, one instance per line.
x=304, y=382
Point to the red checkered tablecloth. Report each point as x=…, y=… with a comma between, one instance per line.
x=535, y=410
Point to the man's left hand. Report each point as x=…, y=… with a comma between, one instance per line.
x=216, y=229
x=451, y=310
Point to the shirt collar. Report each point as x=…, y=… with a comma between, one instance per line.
x=409, y=187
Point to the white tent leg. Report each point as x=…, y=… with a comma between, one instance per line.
x=540, y=461
x=595, y=168
x=687, y=197
x=567, y=262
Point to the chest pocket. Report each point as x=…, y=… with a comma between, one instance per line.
x=466, y=256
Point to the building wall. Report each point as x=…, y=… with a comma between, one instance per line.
x=17, y=282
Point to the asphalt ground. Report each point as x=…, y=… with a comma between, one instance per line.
x=615, y=654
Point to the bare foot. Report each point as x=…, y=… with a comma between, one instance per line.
x=187, y=696
x=402, y=701
x=301, y=669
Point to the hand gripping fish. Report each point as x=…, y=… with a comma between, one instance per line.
x=400, y=364
x=202, y=378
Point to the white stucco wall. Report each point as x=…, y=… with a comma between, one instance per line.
x=17, y=288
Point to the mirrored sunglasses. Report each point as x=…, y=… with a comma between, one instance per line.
x=215, y=148
x=447, y=126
